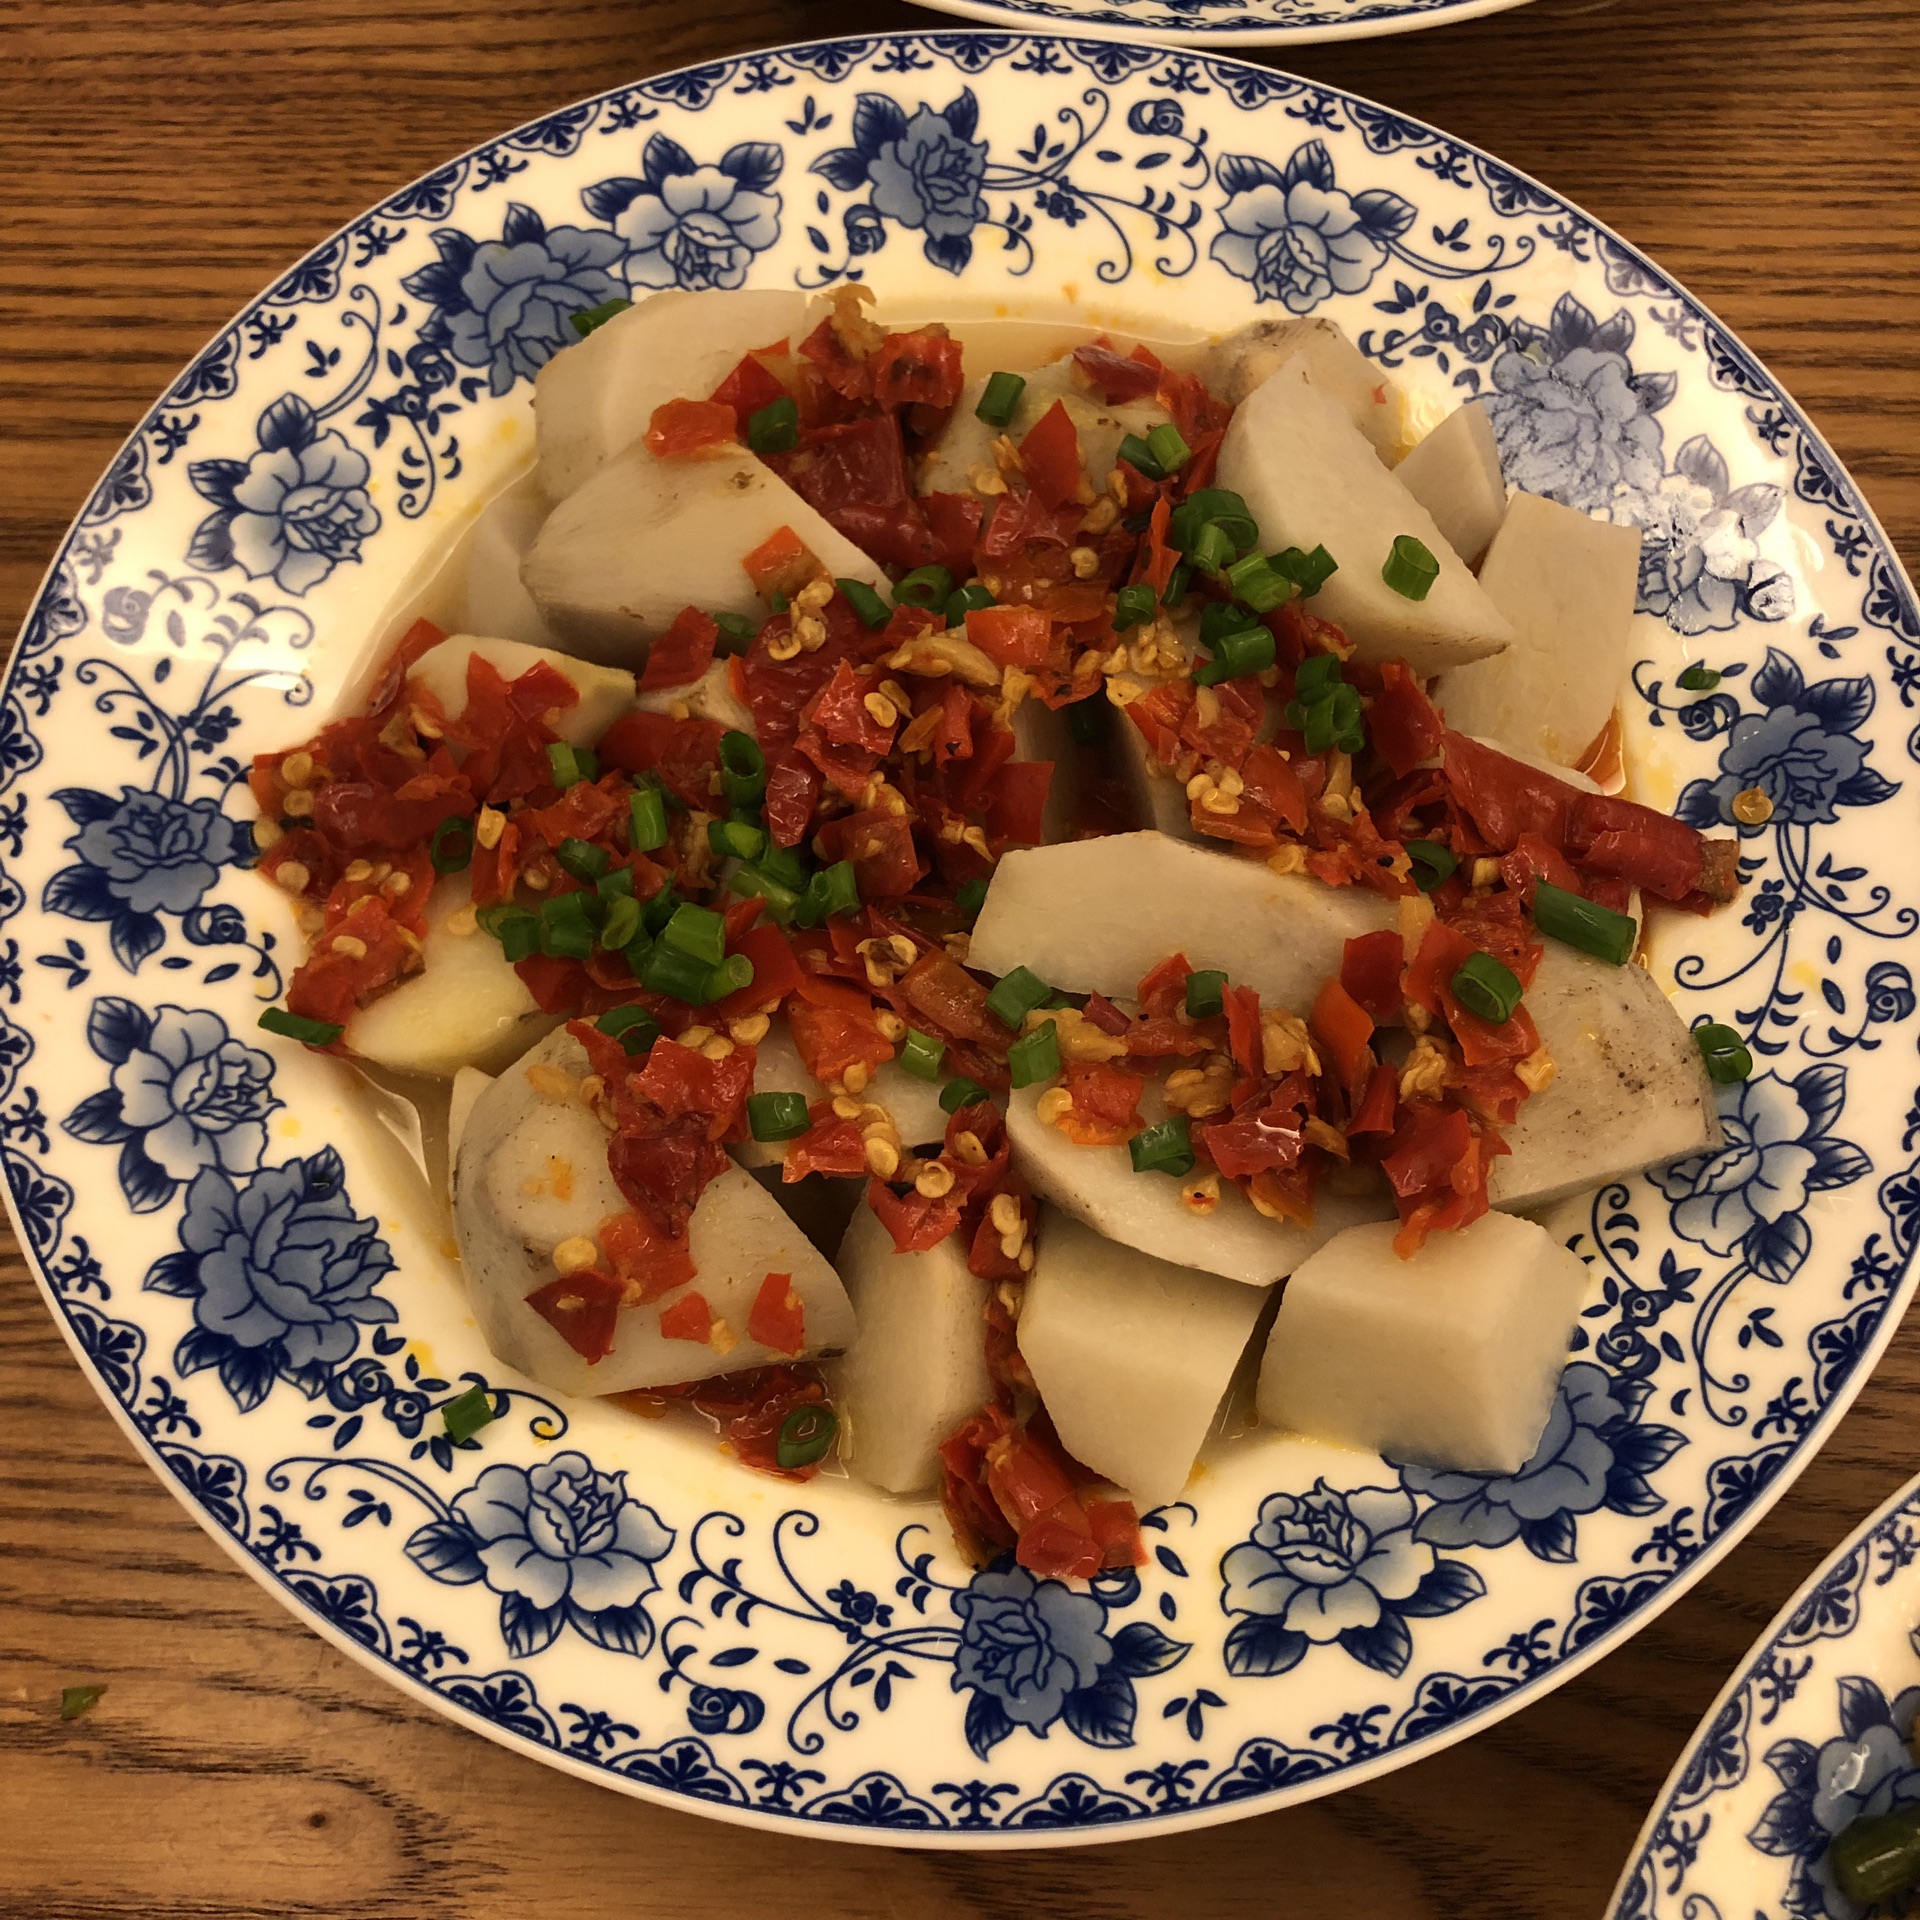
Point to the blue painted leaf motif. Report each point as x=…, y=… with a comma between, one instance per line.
x=97, y=1120
x=83, y=805
x=950, y=252
x=177, y=1274
x=1383, y=216
x=215, y=480
x=212, y=543
x=1140, y=1649
x=987, y=1724
x=1867, y=788
x=1552, y=1538
x=1262, y=1645
x=1699, y=805
x=289, y=425
x=1103, y=1714
x=1445, y=1589
x=733, y=1657
x=146, y=1184
x=617, y=1629
x=663, y=160
x=247, y=1373
x=1862, y=1705
x=135, y=937
x=81, y=893
x=755, y=164
x=522, y=226
x=962, y=114
x=607, y=200
x=1779, y=683
x=1240, y=173
x=843, y=167
x=1386, y=1646
x=1821, y=1091
x=446, y=1550
x=1836, y=1163
x=526, y=1628
x=1840, y=705
x=1777, y=1249
x=877, y=122
x=1312, y=165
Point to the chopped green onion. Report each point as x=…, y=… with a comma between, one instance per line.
x=1335, y=722
x=676, y=973
x=1087, y=721
x=647, y=811
x=805, y=1435
x=1487, y=987
x=570, y=765
x=1431, y=862
x=1308, y=571
x=736, y=839
x=924, y=587
x=997, y=402
x=1140, y=456
x=1168, y=448
x=1873, y=1859
x=1410, y=568
x=833, y=889
x=1211, y=506
x=1132, y=607
x=661, y=908
x=1213, y=549
x=296, y=1026
x=596, y=317
x=965, y=600
x=698, y=931
x=1317, y=674
x=961, y=1092
x=74, y=1701
x=465, y=1416
x=621, y=928
x=775, y=428
x=753, y=880
x=743, y=768
x=785, y=865
x=1035, y=1056
x=777, y=602
x=451, y=850
x=1699, y=679
x=1724, y=1052
x=737, y=629
x=1016, y=996
x=1237, y=654
x=583, y=859
x=1585, y=924
x=1176, y=588
x=969, y=897
x=1256, y=585
x=1165, y=1148
x=1205, y=992
x=566, y=926
x=921, y=1054
x=516, y=928
x=636, y=953
x=865, y=602
x=617, y=882
x=634, y=1027
x=777, y=1116
x=730, y=976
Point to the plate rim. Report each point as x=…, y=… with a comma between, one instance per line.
x=1154, y=1821
x=1451, y=13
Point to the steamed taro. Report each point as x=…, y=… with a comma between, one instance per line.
x=1455, y=474
x=603, y=694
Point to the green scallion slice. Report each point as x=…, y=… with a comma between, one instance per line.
x=451, y=849
x=1308, y=571
x=965, y=600
x=660, y=909
x=1213, y=550
x=736, y=839
x=1212, y=506
x=743, y=769
x=583, y=859
x=833, y=889
x=1431, y=862
x=961, y=1092
x=1001, y=396
x=1725, y=1053
x=647, y=812
x=1875, y=1859
x=74, y=1701
x=516, y=928
x=296, y=1026
x=1133, y=607
x=466, y=1415
x=616, y=881
x=698, y=931
x=570, y=765
x=865, y=602
x=753, y=880
x=1140, y=457
x=1698, y=679
x=925, y=588
x=1016, y=995
x=634, y=1027
x=1487, y=987
x=1237, y=654
x=1168, y=448
x=777, y=602
x=1205, y=993
x=968, y=898
x=1176, y=588
x=736, y=629
x=1316, y=675
x=921, y=1054
x=733, y=974
x=1164, y=1148
x=775, y=428
x=777, y=1116
x=805, y=1435
x=596, y=317
x=1035, y=1056
x=1256, y=585
x=676, y=973
x=621, y=928
x=1410, y=569
x=1584, y=923
x=567, y=931
x=785, y=865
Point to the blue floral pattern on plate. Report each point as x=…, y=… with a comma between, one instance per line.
x=241, y=1252
x=1226, y=23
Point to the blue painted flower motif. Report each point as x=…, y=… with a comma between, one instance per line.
x=1865, y=1771
x=1779, y=1148
x=1802, y=751
x=926, y=171
x=1889, y=992
x=1573, y=419
x=507, y=305
x=562, y=1544
x=138, y=857
x=1326, y=1567
x=185, y=1095
x=281, y=1273
x=1027, y=1644
x=1700, y=566
x=687, y=225
x=1295, y=235
x=294, y=510
x=1592, y=1454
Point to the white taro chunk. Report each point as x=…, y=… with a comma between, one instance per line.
x=912, y=1104
x=711, y=697
x=1096, y=916
x=967, y=444
x=1449, y=1359
x=1310, y=478
x=466, y=1007
x=605, y=692
x=918, y=1365
x=1132, y=1355
x=1041, y=732
x=1629, y=1090
x=469, y=1083
x=1455, y=474
x=508, y=1206
x=497, y=602
x=1156, y=797
x=1241, y=361
x=595, y=398
x=1144, y=1211
x=618, y=559
x=1568, y=584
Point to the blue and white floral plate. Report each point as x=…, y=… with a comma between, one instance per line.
x=245, y=1257
x=1810, y=1735
x=1225, y=23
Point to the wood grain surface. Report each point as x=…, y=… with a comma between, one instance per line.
x=160, y=162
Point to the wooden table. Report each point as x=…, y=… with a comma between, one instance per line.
x=161, y=161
